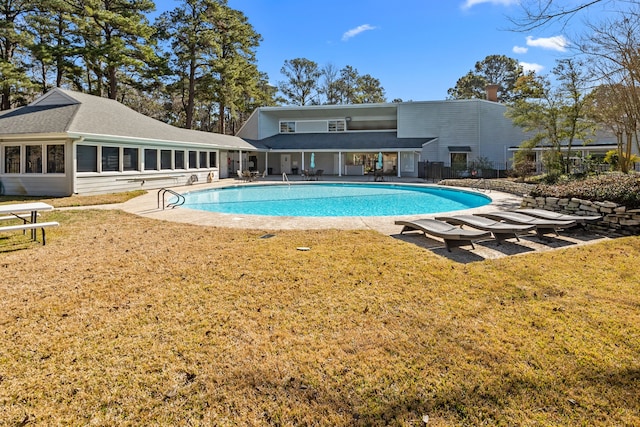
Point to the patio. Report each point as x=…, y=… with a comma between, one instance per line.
x=146, y=206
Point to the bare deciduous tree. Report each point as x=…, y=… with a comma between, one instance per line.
x=613, y=50
x=538, y=13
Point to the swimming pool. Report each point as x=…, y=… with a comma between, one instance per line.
x=333, y=199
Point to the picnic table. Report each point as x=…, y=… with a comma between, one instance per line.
x=28, y=213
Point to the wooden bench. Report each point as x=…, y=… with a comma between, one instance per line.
x=31, y=226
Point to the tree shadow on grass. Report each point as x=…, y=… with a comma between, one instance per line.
x=297, y=401
x=493, y=400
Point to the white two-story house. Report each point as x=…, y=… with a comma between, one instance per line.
x=349, y=139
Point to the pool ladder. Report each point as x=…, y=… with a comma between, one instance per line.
x=481, y=185
x=172, y=205
x=285, y=178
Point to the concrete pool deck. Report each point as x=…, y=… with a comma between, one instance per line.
x=147, y=206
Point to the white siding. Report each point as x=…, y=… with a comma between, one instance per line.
x=125, y=180
x=479, y=124
x=431, y=152
x=497, y=133
x=454, y=123
x=36, y=185
x=311, y=126
x=104, y=184
x=249, y=130
x=269, y=125
x=55, y=98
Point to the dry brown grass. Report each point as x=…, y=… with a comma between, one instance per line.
x=121, y=320
x=62, y=202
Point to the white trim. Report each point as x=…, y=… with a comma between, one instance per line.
x=34, y=137
x=335, y=150
x=148, y=141
x=44, y=157
x=100, y=138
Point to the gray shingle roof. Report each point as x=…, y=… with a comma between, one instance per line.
x=341, y=141
x=62, y=110
x=37, y=119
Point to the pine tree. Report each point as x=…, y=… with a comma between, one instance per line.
x=494, y=69
x=301, y=86
x=117, y=42
x=14, y=39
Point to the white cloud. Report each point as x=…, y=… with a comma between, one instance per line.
x=558, y=43
x=355, y=31
x=470, y=3
x=527, y=66
x=520, y=49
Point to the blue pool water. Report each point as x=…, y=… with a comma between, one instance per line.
x=321, y=200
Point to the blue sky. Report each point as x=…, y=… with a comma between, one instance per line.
x=416, y=48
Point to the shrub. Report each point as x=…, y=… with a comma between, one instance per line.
x=618, y=188
x=612, y=157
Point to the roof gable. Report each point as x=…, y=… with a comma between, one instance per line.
x=55, y=96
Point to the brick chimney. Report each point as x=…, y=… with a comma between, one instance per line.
x=492, y=92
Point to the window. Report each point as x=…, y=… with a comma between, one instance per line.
x=12, y=159
x=193, y=159
x=35, y=158
x=203, y=159
x=408, y=162
x=87, y=158
x=130, y=159
x=33, y=155
x=213, y=159
x=337, y=125
x=287, y=127
x=150, y=159
x=459, y=163
x=110, y=159
x=179, y=159
x=55, y=158
x=165, y=159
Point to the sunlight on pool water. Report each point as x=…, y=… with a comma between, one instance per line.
x=331, y=199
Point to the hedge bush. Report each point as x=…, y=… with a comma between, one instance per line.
x=618, y=188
